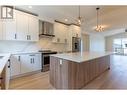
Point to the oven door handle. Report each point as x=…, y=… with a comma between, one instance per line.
x=46, y=55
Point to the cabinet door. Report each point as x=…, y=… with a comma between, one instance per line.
x=15, y=65
x=9, y=29
x=33, y=28
x=37, y=62
x=1, y=30
x=26, y=64
x=22, y=25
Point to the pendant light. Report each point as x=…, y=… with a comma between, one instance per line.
x=79, y=21
x=79, y=17
x=99, y=28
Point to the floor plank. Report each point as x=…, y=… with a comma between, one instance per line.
x=115, y=78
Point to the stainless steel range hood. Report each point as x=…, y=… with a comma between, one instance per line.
x=46, y=29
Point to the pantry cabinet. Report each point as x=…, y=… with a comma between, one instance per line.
x=25, y=63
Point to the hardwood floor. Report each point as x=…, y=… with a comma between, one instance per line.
x=115, y=78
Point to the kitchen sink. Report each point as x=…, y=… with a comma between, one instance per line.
x=1, y=57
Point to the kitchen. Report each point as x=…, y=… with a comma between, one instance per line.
x=28, y=40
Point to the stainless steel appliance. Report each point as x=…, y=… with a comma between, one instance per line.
x=46, y=28
x=76, y=44
x=46, y=59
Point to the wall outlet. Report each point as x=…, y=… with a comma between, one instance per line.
x=61, y=62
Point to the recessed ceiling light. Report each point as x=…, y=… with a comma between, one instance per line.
x=66, y=19
x=30, y=7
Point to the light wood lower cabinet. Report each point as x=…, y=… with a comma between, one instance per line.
x=72, y=75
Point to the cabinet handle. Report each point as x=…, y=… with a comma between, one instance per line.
x=19, y=58
x=9, y=63
x=31, y=60
x=9, y=66
x=15, y=36
x=29, y=37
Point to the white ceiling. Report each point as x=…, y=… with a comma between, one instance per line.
x=112, y=17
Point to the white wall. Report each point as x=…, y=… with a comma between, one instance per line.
x=84, y=42
x=97, y=43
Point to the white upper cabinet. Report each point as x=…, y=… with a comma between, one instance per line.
x=9, y=28
x=1, y=30
x=75, y=31
x=60, y=32
x=33, y=32
x=22, y=25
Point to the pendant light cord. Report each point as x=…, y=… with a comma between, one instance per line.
x=97, y=15
x=79, y=11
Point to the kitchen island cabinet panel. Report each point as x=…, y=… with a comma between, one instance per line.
x=65, y=74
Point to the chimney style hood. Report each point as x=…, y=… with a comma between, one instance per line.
x=46, y=29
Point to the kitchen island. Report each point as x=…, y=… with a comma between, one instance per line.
x=75, y=70
x=4, y=70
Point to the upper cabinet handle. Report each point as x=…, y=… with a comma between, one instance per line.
x=31, y=61
x=19, y=58
x=15, y=36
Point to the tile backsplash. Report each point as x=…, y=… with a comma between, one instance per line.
x=20, y=46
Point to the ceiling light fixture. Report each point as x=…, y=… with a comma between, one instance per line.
x=98, y=28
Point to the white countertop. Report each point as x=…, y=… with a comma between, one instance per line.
x=81, y=56
x=4, y=60
x=26, y=52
